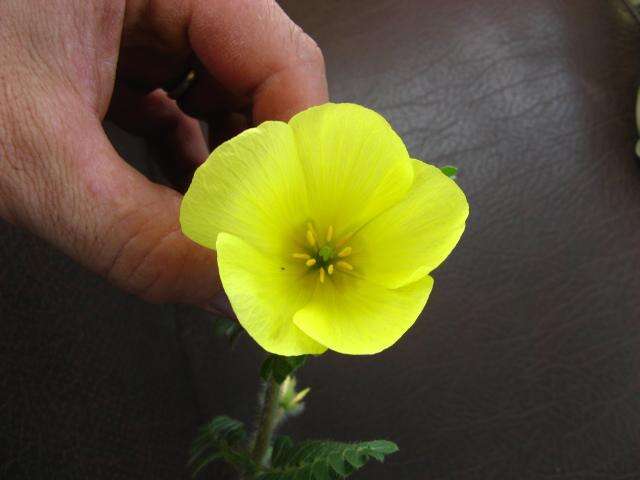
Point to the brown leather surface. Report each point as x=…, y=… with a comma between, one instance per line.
x=526, y=361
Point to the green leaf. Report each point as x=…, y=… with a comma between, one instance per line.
x=385, y=447
x=221, y=439
x=322, y=460
x=355, y=458
x=202, y=462
x=450, y=171
x=279, y=367
x=320, y=469
x=336, y=462
x=280, y=445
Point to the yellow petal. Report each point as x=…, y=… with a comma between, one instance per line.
x=265, y=294
x=351, y=315
x=355, y=165
x=414, y=236
x=251, y=186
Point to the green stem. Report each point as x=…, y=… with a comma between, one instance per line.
x=267, y=422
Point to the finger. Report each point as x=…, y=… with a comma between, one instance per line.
x=250, y=47
x=81, y=196
x=209, y=98
x=226, y=126
x=253, y=48
x=176, y=139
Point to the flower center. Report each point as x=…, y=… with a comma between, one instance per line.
x=323, y=254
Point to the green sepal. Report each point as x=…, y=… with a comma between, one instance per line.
x=279, y=367
x=225, y=327
x=450, y=171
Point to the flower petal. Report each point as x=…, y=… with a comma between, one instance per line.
x=414, y=236
x=265, y=294
x=351, y=315
x=251, y=186
x=355, y=165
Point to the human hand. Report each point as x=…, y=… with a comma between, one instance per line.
x=67, y=64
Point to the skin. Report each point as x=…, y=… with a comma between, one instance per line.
x=66, y=65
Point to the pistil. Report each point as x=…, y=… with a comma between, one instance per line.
x=325, y=256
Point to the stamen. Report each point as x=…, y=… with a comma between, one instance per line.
x=330, y=269
x=321, y=275
x=343, y=240
x=345, y=252
x=344, y=265
x=311, y=262
x=301, y=256
x=329, y=233
x=311, y=237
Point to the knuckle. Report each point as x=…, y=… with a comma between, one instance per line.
x=157, y=274
x=314, y=52
x=307, y=49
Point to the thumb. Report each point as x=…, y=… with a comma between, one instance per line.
x=80, y=195
x=143, y=250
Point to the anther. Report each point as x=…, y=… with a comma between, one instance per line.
x=343, y=240
x=311, y=238
x=329, y=233
x=311, y=262
x=344, y=265
x=321, y=275
x=301, y=256
x=330, y=269
x=345, y=252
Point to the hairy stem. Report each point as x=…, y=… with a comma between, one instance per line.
x=267, y=422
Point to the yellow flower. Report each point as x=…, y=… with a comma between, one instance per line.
x=325, y=230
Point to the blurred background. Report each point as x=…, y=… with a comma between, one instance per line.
x=526, y=361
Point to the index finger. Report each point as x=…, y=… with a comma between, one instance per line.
x=254, y=49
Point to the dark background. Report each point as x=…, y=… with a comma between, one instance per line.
x=526, y=361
